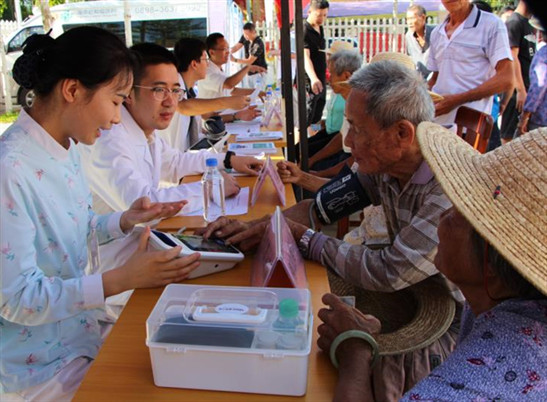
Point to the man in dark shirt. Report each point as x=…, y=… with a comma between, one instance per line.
x=315, y=60
x=255, y=53
x=523, y=48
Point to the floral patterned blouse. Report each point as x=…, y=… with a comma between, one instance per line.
x=48, y=309
x=501, y=356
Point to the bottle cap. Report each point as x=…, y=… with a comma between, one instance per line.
x=211, y=162
x=288, y=308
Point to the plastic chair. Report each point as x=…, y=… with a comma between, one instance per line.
x=478, y=127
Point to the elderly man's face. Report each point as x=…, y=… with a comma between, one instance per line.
x=376, y=150
x=335, y=79
x=453, y=6
x=415, y=22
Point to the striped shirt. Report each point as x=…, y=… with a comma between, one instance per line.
x=412, y=215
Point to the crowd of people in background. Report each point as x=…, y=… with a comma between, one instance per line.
x=111, y=125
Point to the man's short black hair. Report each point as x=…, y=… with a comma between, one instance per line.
x=186, y=51
x=212, y=40
x=249, y=26
x=149, y=54
x=319, y=4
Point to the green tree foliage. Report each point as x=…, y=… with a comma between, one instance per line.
x=7, y=7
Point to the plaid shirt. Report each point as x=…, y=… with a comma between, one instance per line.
x=412, y=216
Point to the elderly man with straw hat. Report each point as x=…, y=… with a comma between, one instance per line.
x=399, y=282
x=493, y=246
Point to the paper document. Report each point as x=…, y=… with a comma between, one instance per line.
x=252, y=148
x=243, y=127
x=260, y=136
x=238, y=205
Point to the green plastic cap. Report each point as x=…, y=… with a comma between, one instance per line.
x=288, y=308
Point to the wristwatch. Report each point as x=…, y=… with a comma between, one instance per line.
x=304, y=243
x=227, y=160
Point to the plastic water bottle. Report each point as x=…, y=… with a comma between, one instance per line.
x=212, y=184
x=268, y=106
x=259, y=82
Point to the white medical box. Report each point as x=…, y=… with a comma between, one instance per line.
x=240, y=339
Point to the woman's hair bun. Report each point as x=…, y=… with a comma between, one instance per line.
x=27, y=67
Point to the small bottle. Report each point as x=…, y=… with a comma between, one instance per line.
x=259, y=82
x=288, y=319
x=212, y=184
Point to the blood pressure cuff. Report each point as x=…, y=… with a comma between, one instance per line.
x=340, y=197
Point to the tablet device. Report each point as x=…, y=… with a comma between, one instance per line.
x=216, y=256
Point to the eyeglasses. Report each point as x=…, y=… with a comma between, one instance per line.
x=205, y=59
x=222, y=49
x=161, y=93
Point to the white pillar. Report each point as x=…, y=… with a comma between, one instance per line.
x=127, y=23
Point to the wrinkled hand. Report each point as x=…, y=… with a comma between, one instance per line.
x=522, y=126
x=447, y=104
x=236, y=102
x=289, y=172
x=231, y=187
x=246, y=164
x=143, y=210
x=246, y=235
x=257, y=69
x=248, y=114
x=341, y=318
x=521, y=98
x=146, y=269
x=317, y=87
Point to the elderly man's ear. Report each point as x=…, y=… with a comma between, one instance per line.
x=406, y=133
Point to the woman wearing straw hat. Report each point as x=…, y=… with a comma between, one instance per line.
x=493, y=246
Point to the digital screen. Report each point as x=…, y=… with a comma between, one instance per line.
x=197, y=243
x=164, y=238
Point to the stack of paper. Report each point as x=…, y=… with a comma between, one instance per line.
x=260, y=136
x=253, y=148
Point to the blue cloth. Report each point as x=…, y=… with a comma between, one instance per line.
x=536, y=101
x=501, y=356
x=49, y=311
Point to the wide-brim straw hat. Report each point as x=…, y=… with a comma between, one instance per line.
x=412, y=318
x=406, y=61
x=338, y=45
x=503, y=193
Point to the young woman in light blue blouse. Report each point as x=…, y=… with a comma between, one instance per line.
x=49, y=311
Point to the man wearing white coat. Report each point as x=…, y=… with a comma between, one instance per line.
x=130, y=160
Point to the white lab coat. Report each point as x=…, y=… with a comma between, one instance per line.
x=124, y=165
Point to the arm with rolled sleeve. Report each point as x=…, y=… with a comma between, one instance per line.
x=118, y=174
x=407, y=261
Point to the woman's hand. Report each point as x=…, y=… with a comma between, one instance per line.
x=143, y=210
x=340, y=318
x=146, y=269
x=246, y=164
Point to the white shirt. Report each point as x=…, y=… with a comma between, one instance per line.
x=50, y=309
x=468, y=58
x=176, y=135
x=213, y=84
x=344, y=131
x=124, y=165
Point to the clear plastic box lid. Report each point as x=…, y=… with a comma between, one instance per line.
x=233, y=317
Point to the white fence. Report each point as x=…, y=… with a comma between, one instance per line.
x=7, y=27
x=369, y=35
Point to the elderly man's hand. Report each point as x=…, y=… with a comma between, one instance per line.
x=246, y=235
x=340, y=318
x=447, y=104
x=289, y=172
